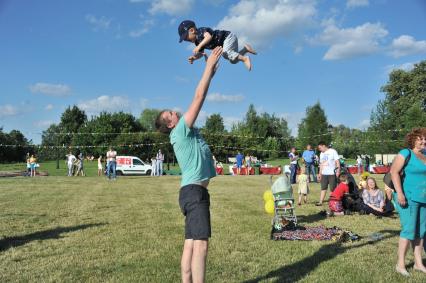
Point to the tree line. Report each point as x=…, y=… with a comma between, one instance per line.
x=261, y=134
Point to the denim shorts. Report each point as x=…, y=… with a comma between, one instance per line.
x=194, y=202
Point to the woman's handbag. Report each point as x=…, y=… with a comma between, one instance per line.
x=387, y=179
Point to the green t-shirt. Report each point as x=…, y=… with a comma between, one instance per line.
x=192, y=153
x=415, y=178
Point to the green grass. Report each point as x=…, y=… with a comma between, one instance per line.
x=87, y=229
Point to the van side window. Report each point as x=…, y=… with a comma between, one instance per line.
x=137, y=162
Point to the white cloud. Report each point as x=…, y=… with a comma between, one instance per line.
x=228, y=122
x=143, y=103
x=105, y=103
x=8, y=110
x=48, y=107
x=364, y=124
x=217, y=97
x=97, y=24
x=407, y=45
x=146, y=26
x=50, y=89
x=261, y=21
x=357, y=3
x=293, y=121
x=405, y=67
x=43, y=123
x=171, y=7
x=350, y=42
x=181, y=79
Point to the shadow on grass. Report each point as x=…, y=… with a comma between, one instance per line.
x=296, y=271
x=311, y=218
x=11, y=242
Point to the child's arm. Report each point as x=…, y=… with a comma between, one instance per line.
x=207, y=39
x=197, y=56
x=203, y=86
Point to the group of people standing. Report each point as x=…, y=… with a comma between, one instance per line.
x=157, y=164
x=244, y=161
x=31, y=165
x=75, y=164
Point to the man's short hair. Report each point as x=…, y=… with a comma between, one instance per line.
x=161, y=123
x=322, y=143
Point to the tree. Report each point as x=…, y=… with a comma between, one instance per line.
x=214, y=124
x=314, y=127
x=14, y=146
x=147, y=119
x=403, y=108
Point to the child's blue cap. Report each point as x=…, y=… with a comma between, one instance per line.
x=183, y=29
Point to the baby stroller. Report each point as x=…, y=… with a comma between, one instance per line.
x=283, y=201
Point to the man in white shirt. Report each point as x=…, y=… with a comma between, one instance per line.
x=359, y=164
x=112, y=165
x=70, y=162
x=329, y=169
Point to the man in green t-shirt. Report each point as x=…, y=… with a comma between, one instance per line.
x=196, y=163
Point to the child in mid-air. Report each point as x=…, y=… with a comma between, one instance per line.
x=336, y=197
x=206, y=38
x=303, y=189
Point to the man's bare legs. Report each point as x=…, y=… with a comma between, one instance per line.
x=193, y=263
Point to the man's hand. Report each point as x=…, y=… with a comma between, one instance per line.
x=213, y=59
x=319, y=177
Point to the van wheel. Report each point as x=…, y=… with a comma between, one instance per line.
x=120, y=173
x=148, y=173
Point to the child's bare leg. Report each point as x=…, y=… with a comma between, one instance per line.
x=305, y=198
x=249, y=49
x=300, y=200
x=246, y=61
x=339, y=213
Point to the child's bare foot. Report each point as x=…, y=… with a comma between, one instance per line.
x=250, y=49
x=247, y=62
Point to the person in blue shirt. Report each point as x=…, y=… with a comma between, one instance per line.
x=207, y=38
x=197, y=166
x=309, y=157
x=410, y=198
x=239, y=159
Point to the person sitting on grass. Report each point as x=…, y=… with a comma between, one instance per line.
x=374, y=200
x=303, y=189
x=336, y=197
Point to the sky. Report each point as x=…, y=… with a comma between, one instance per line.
x=125, y=55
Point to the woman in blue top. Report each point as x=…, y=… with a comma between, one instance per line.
x=411, y=198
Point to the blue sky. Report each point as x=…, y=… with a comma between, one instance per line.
x=117, y=55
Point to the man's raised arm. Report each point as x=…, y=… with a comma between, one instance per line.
x=203, y=86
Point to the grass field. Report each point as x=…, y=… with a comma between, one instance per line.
x=88, y=229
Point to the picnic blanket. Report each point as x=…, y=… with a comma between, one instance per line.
x=294, y=232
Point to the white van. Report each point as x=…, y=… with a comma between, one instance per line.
x=132, y=165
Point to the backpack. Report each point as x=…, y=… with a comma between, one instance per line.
x=387, y=179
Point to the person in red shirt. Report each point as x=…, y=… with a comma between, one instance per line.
x=336, y=197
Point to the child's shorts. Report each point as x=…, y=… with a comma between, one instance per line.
x=230, y=48
x=335, y=205
x=194, y=202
